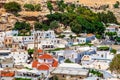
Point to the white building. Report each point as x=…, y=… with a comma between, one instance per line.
x=118, y=33
x=44, y=34
x=70, y=71
x=7, y=63
x=67, y=33
x=20, y=57
x=112, y=28
x=81, y=40
x=2, y=34
x=49, y=43
x=11, y=33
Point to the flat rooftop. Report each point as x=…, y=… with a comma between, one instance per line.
x=70, y=69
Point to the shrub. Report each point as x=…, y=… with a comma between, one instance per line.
x=113, y=51
x=68, y=61
x=12, y=6
x=105, y=48
x=29, y=7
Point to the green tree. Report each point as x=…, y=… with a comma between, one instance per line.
x=87, y=26
x=22, y=27
x=108, y=17
x=12, y=7
x=61, y=5
x=111, y=34
x=29, y=7
x=38, y=26
x=116, y=5
x=56, y=16
x=113, y=51
x=41, y=26
x=76, y=28
x=37, y=7
x=115, y=64
x=54, y=24
x=70, y=8
x=71, y=36
x=30, y=52
x=45, y=27
x=118, y=39
x=99, y=27
x=55, y=78
x=49, y=6
x=98, y=36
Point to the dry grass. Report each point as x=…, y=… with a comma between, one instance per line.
x=93, y=2
x=99, y=2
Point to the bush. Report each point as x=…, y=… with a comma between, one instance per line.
x=116, y=5
x=17, y=15
x=38, y=26
x=55, y=78
x=113, y=51
x=23, y=28
x=29, y=7
x=22, y=79
x=95, y=72
x=32, y=7
x=118, y=39
x=103, y=48
x=98, y=36
x=61, y=36
x=54, y=24
x=12, y=6
x=37, y=7
x=68, y=61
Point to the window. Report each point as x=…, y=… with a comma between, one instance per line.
x=9, y=40
x=47, y=34
x=72, y=56
x=102, y=55
x=6, y=40
x=44, y=60
x=15, y=45
x=58, y=41
x=6, y=65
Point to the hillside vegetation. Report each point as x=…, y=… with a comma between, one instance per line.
x=79, y=18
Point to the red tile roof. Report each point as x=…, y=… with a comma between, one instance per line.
x=40, y=50
x=46, y=56
x=35, y=63
x=43, y=67
x=89, y=35
x=7, y=74
x=55, y=63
